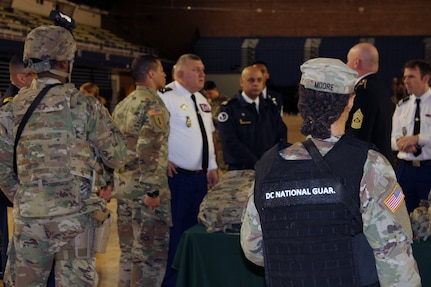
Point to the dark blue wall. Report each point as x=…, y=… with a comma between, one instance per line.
x=284, y=55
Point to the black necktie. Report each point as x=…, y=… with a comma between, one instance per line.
x=417, y=126
x=204, y=136
x=254, y=107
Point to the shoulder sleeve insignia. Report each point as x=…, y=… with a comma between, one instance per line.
x=157, y=115
x=164, y=90
x=222, y=117
x=394, y=199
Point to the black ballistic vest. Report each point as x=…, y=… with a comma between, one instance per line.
x=310, y=237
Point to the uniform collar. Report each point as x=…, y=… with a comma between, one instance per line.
x=424, y=96
x=144, y=88
x=181, y=90
x=363, y=76
x=248, y=100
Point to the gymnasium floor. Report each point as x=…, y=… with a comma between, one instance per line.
x=107, y=263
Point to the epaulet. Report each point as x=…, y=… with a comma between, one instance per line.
x=403, y=100
x=5, y=101
x=164, y=90
x=230, y=101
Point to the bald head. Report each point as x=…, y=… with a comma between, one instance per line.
x=251, y=82
x=363, y=58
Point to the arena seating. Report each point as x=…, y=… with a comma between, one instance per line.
x=15, y=24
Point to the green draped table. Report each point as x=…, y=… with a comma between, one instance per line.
x=422, y=253
x=216, y=260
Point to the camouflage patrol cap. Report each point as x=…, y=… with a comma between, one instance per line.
x=46, y=43
x=328, y=75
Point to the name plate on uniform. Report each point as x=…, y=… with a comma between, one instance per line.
x=315, y=191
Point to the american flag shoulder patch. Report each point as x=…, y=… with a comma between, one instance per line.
x=395, y=199
x=153, y=112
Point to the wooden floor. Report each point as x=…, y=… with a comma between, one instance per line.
x=107, y=263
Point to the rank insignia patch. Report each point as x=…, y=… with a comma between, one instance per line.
x=357, y=120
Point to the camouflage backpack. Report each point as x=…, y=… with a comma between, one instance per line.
x=43, y=155
x=420, y=218
x=223, y=206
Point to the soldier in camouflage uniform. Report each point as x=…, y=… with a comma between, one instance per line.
x=20, y=77
x=141, y=187
x=51, y=187
x=306, y=230
x=215, y=98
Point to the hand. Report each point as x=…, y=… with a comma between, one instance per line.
x=106, y=193
x=152, y=202
x=172, y=168
x=408, y=143
x=212, y=178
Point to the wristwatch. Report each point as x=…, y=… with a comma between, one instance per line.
x=153, y=194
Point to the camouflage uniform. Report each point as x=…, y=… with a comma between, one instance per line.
x=143, y=232
x=90, y=121
x=215, y=107
x=420, y=218
x=389, y=233
x=54, y=220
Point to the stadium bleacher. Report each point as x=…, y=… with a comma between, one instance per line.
x=18, y=23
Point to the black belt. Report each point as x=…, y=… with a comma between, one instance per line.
x=416, y=163
x=240, y=167
x=186, y=171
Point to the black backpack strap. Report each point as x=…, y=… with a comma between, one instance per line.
x=24, y=120
x=348, y=200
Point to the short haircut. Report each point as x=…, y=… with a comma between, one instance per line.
x=184, y=58
x=257, y=62
x=424, y=66
x=16, y=63
x=141, y=65
x=210, y=85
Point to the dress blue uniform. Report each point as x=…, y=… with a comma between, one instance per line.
x=371, y=115
x=247, y=132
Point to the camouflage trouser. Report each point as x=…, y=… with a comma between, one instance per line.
x=10, y=273
x=38, y=242
x=222, y=166
x=144, y=241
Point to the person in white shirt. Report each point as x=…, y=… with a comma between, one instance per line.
x=192, y=167
x=414, y=146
